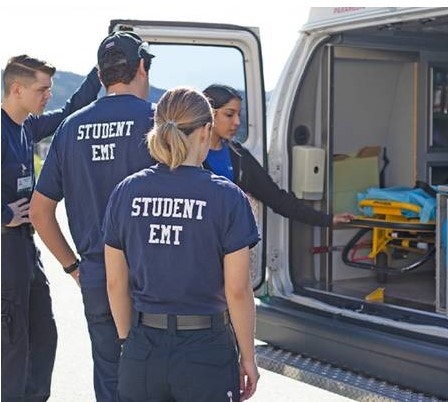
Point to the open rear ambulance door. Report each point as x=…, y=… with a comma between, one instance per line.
x=199, y=54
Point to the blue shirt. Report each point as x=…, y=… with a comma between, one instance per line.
x=18, y=143
x=219, y=161
x=92, y=151
x=175, y=226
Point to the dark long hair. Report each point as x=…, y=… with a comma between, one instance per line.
x=218, y=95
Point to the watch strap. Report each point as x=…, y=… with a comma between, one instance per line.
x=71, y=268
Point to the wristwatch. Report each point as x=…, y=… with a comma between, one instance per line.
x=71, y=268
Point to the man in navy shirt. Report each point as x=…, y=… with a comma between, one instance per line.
x=91, y=152
x=28, y=329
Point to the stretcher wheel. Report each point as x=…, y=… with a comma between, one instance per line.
x=381, y=262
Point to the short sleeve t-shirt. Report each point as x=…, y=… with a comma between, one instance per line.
x=220, y=162
x=92, y=151
x=175, y=226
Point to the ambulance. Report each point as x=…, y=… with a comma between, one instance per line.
x=362, y=103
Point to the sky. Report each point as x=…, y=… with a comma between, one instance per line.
x=68, y=34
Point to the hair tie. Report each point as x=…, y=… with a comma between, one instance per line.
x=171, y=123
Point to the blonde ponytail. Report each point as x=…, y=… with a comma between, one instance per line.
x=168, y=145
x=179, y=112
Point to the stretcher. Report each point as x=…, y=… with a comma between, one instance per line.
x=394, y=225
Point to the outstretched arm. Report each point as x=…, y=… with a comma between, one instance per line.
x=256, y=181
x=47, y=123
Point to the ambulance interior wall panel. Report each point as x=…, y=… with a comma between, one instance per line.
x=304, y=109
x=400, y=140
x=373, y=105
x=340, y=270
x=360, y=113
x=304, y=113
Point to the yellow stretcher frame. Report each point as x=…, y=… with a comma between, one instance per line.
x=386, y=221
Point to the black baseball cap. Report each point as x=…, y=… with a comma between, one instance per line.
x=127, y=42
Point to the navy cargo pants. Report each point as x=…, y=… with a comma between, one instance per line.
x=173, y=365
x=105, y=348
x=29, y=334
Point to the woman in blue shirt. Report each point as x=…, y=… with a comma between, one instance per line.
x=180, y=237
x=229, y=158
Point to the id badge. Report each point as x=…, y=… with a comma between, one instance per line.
x=24, y=184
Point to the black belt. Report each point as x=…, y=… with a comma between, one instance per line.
x=25, y=229
x=184, y=322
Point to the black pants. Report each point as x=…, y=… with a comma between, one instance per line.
x=29, y=334
x=105, y=349
x=182, y=366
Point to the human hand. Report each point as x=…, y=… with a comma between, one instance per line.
x=20, y=210
x=249, y=376
x=343, y=217
x=75, y=276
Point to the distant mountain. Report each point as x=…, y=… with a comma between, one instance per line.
x=66, y=83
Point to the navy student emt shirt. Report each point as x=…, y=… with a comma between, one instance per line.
x=92, y=151
x=18, y=142
x=175, y=226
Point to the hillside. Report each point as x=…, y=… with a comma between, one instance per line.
x=65, y=83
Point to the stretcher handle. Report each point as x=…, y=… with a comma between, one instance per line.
x=389, y=207
x=409, y=225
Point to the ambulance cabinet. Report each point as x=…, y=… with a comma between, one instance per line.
x=441, y=251
x=438, y=124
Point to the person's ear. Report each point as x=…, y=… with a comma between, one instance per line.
x=205, y=132
x=99, y=76
x=141, y=67
x=16, y=88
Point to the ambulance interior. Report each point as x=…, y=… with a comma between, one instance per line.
x=369, y=95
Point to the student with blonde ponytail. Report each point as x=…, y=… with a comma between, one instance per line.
x=169, y=140
x=177, y=256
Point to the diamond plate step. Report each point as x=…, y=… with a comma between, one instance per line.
x=334, y=379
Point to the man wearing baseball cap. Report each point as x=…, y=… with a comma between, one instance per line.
x=131, y=47
x=92, y=151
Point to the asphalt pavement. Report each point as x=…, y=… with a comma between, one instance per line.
x=72, y=376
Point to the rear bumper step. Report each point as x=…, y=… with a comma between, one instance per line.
x=333, y=379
